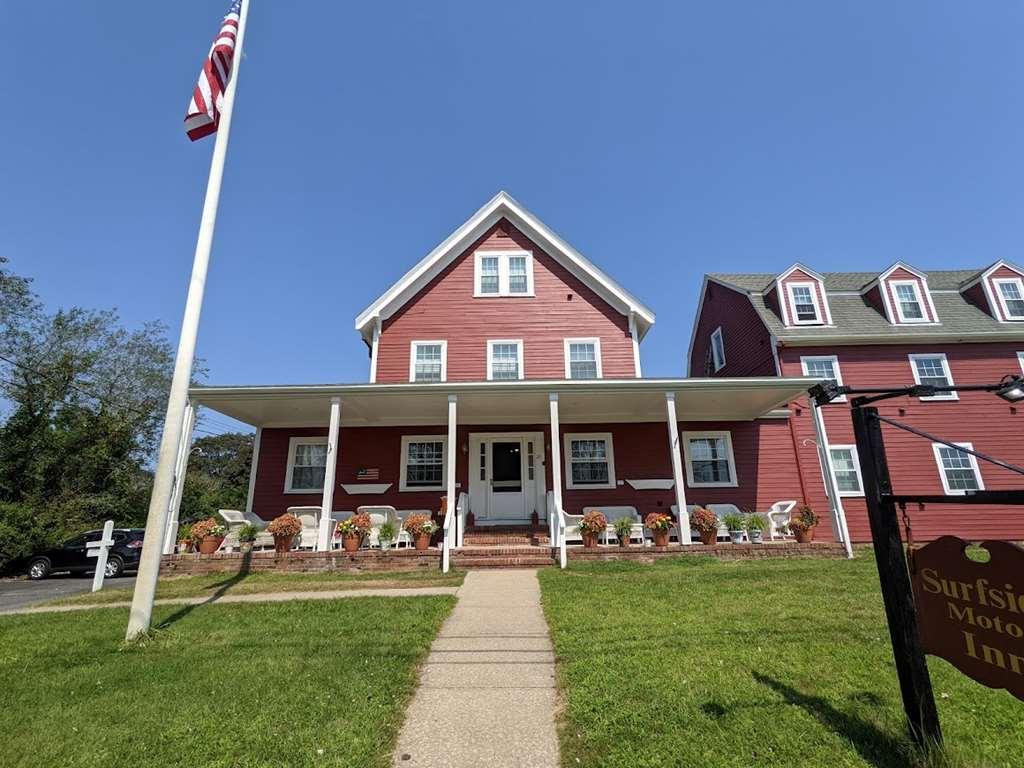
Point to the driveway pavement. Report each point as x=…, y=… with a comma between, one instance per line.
x=21, y=593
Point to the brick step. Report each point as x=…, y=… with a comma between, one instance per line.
x=501, y=562
x=498, y=541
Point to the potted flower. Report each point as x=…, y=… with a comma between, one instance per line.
x=756, y=525
x=705, y=522
x=737, y=525
x=210, y=535
x=623, y=530
x=592, y=524
x=184, y=538
x=421, y=528
x=352, y=531
x=386, y=535
x=803, y=523
x=247, y=534
x=659, y=523
x=284, y=529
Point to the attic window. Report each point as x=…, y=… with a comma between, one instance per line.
x=804, y=303
x=503, y=273
x=909, y=303
x=1011, y=296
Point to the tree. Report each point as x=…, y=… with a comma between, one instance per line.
x=217, y=476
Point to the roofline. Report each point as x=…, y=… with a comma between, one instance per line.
x=503, y=205
x=700, y=310
x=987, y=271
x=939, y=338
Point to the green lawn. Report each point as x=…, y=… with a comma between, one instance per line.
x=779, y=663
x=270, y=581
x=314, y=683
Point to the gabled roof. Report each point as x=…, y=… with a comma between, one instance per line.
x=977, y=276
x=502, y=205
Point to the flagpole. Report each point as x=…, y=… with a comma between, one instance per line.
x=159, y=502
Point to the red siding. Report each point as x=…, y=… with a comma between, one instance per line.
x=976, y=296
x=1002, y=272
x=562, y=307
x=901, y=274
x=992, y=425
x=799, y=276
x=748, y=347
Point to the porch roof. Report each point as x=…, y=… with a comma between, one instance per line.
x=504, y=402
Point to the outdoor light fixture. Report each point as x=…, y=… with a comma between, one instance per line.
x=1011, y=389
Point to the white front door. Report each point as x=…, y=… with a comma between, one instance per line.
x=506, y=477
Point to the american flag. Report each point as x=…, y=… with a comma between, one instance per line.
x=203, y=114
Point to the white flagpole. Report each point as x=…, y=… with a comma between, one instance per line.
x=163, y=480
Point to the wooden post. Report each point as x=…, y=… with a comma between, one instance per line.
x=677, y=468
x=911, y=667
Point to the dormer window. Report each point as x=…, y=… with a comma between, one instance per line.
x=804, y=303
x=909, y=304
x=503, y=273
x=1010, y=292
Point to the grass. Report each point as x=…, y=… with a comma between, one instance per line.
x=778, y=663
x=270, y=581
x=316, y=683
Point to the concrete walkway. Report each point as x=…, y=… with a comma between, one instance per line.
x=259, y=597
x=487, y=692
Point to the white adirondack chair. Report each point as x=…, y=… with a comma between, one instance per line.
x=235, y=519
x=778, y=516
x=614, y=513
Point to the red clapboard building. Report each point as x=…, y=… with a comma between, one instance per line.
x=893, y=329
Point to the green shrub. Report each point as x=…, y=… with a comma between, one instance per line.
x=735, y=522
x=248, y=532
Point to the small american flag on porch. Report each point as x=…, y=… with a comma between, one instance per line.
x=203, y=115
x=368, y=474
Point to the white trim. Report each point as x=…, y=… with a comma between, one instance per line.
x=253, y=468
x=805, y=359
x=597, y=355
x=412, y=358
x=791, y=299
x=490, y=360
x=672, y=422
x=718, y=363
x=688, y=436
x=918, y=297
x=923, y=291
x=824, y=312
x=636, y=345
x=856, y=465
x=610, y=456
x=942, y=472
x=556, y=450
x=502, y=205
x=504, y=275
x=1020, y=359
x=293, y=443
x=985, y=277
x=945, y=368
x=356, y=489
x=404, y=462
x=374, y=350
x=996, y=283
x=652, y=484
x=323, y=542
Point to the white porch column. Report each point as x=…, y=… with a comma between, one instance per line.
x=828, y=474
x=452, y=454
x=253, y=467
x=188, y=423
x=677, y=467
x=323, y=542
x=556, y=451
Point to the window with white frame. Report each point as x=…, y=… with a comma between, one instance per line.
x=504, y=359
x=846, y=470
x=503, y=273
x=718, y=349
x=589, y=460
x=803, y=301
x=709, y=459
x=307, y=465
x=583, y=358
x=428, y=361
x=1011, y=296
x=958, y=469
x=1020, y=359
x=933, y=370
x=423, y=463
x=824, y=367
x=909, y=303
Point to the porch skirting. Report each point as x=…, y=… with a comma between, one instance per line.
x=367, y=560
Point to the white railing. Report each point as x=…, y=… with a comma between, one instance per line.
x=556, y=526
x=454, y=527
x=461, y=511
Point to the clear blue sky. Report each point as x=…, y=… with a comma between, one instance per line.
x=662, y=139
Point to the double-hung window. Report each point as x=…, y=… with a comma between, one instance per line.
x=846, y=470
x=933, y=370
x=1011, y=297
x=589, y=461
x=504, y=360
x=824, y=367
x=307, y=465
x=423, y=463
x=909, y=303
x=803, y=302
x=718, y=349
x=958, y=470
x=709, y=459
x=503, y=273
x=583, y=358
x=428, y=361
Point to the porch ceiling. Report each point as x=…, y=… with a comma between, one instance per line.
x=515, y=402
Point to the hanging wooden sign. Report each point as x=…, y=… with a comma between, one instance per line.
x=972, y=614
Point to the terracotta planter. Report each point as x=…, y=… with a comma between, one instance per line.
x=350, y=542
x=283, y=543
x=708, y=537
x=422, y=542
x=660, y=538
x=804, y=536
x=210, y=544
x=589, y=540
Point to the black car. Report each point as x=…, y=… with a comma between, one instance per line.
x=71, y=555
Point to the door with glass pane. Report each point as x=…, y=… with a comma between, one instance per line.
x=506, y=483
